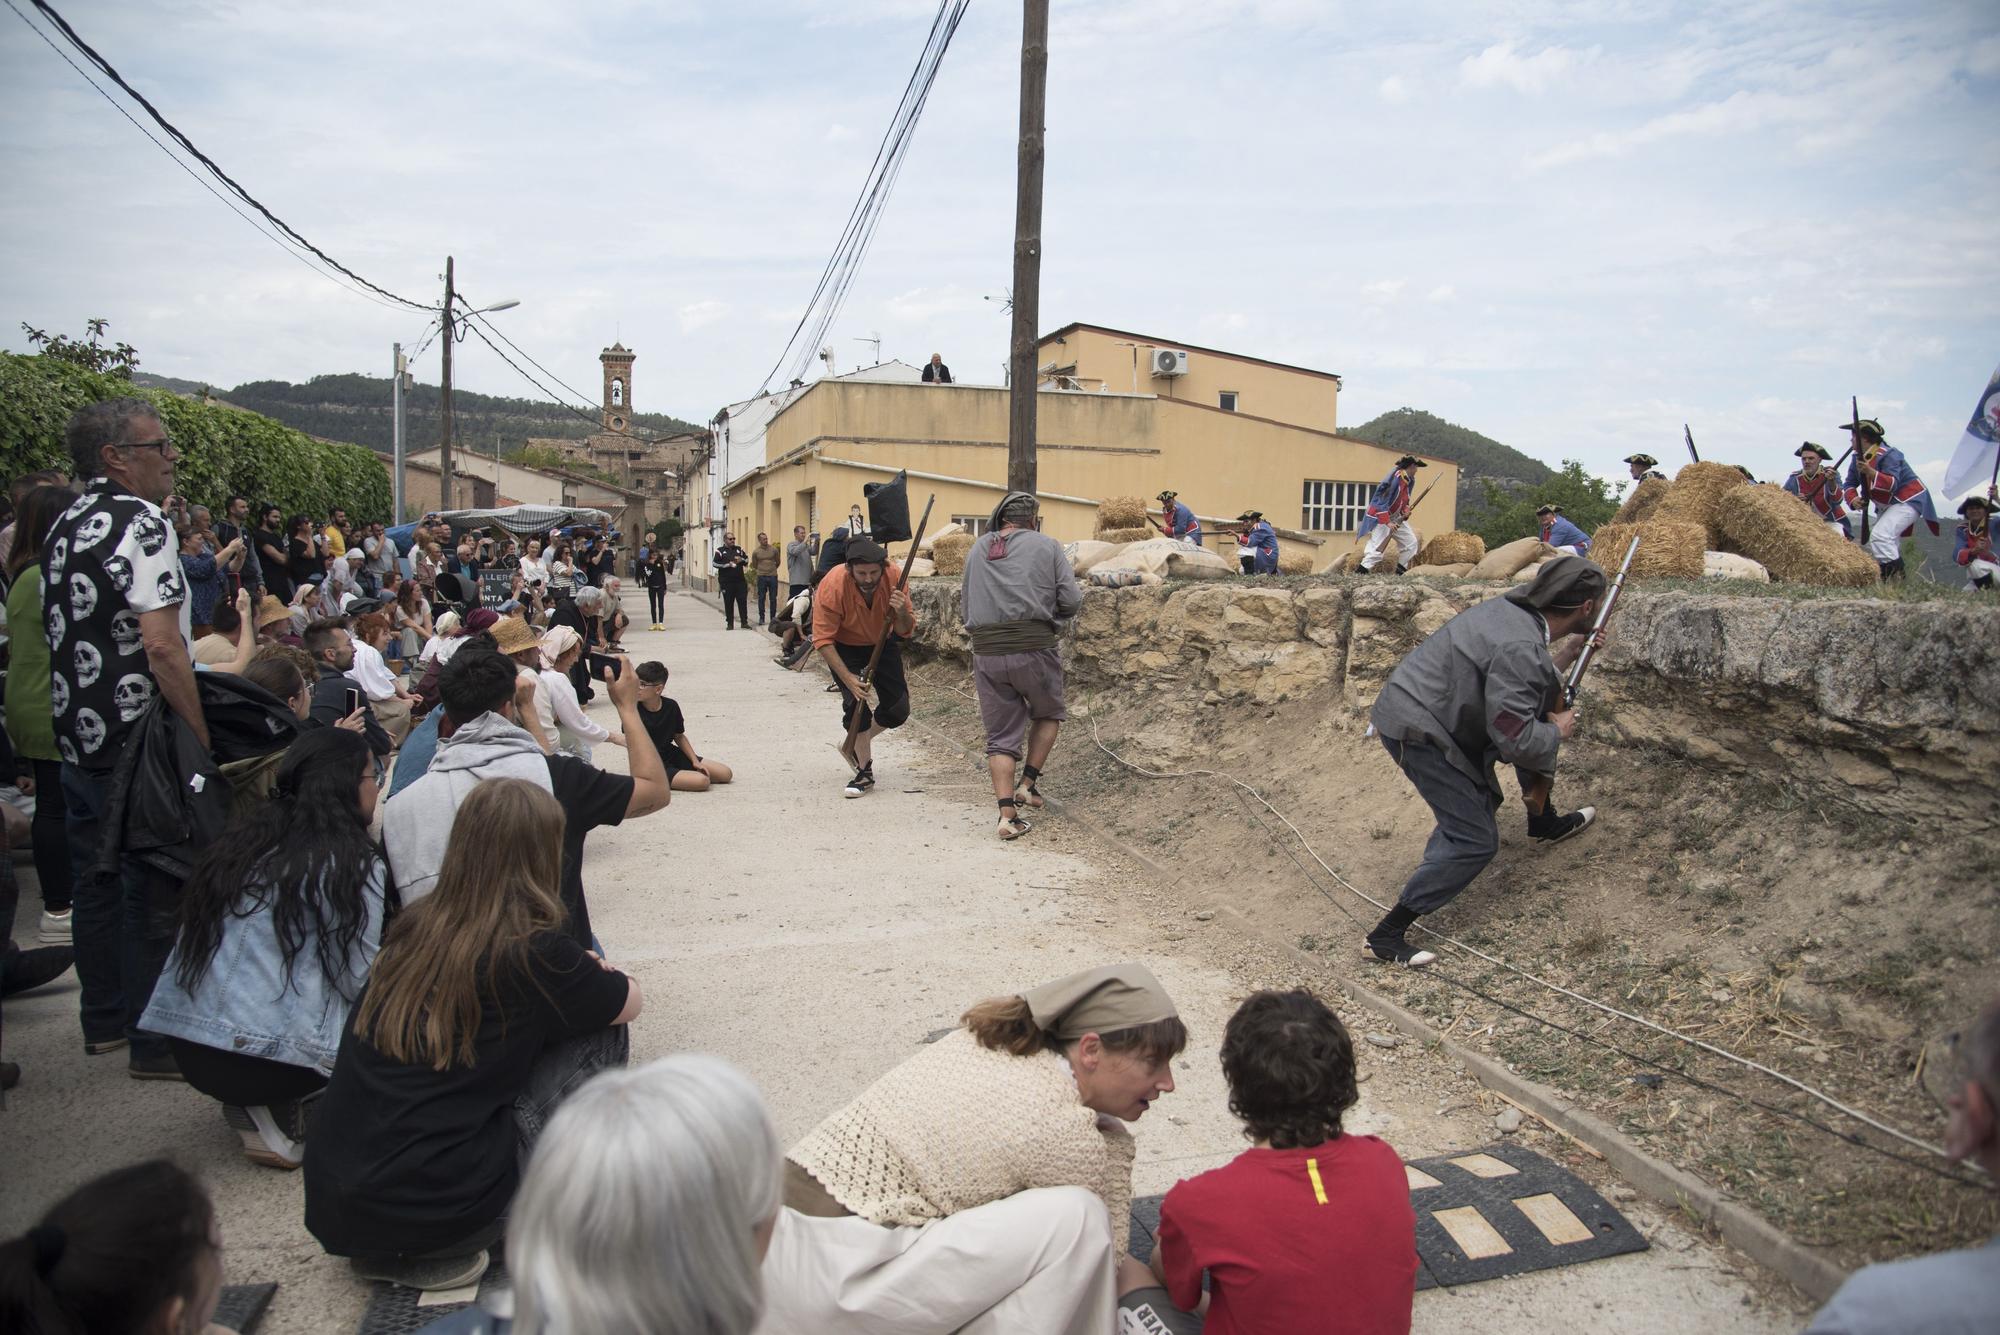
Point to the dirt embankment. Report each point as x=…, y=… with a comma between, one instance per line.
x=1796, y=857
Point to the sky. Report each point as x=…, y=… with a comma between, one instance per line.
x=1572, y=226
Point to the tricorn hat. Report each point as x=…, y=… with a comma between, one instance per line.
x=1810, y=448
x=1977, y=500
x=1643, y=460
x=1549, y=510
x=1166, y=495
x=1411, y=461
x=1250, y=515
x=1867, y=426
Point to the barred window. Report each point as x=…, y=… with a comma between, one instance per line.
x=1334, y=507
x=973, y=524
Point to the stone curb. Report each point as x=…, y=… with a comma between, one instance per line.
x=1802, y=1266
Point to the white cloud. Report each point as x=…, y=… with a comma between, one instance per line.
x=838, y=133
x=1393, y=90
x=1382, y=289
x=1442, y=292
x=1502, y=66
x=696, y=314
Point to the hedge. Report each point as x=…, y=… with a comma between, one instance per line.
x=223, y=450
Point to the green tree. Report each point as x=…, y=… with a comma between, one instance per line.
x=118, y=360
x=1586, y=501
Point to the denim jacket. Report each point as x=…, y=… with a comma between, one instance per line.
x=244, y=1003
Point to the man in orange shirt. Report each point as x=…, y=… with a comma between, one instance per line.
x=850, y=609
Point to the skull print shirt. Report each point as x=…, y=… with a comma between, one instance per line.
x=111, y=557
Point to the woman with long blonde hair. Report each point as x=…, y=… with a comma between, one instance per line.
x=479, y=1016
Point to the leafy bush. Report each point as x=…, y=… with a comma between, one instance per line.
x=223, y=450
x=1586, y=501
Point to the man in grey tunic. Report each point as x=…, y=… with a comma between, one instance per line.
x=1486, y=688
x=1018, y=584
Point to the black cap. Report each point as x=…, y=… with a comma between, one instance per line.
x=864, y=551
x=1810, y=448
x=1979, y=501
x=1411, y=460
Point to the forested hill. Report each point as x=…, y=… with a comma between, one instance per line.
x=357, y=408
x=1479, y=458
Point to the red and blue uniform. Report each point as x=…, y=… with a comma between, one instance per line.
x=1823, y=494
x=1264, y=542
x=1559, y=532
x=1180, y=522
x=1895, y=483
x=1387, y=502
x=1965, y=552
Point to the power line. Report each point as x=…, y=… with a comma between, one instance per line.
x=70, y=34
x=196, y=176
x=494, y=330
x=859, y=231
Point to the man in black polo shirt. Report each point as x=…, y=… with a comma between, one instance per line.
x=116, y=615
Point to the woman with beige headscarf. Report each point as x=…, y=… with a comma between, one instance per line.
x=561, y=713
x=985, y=1183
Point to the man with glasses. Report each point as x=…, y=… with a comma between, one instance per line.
x=116, y=614
x=1952, y=1291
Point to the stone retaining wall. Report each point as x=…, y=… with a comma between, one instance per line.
x=1892, y=705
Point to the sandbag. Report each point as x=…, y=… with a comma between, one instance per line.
x=1197, y=563
x=1505, y=562
x=922, y=568
x=1147, y=556
x=1728, y=565
x=1121, y=579
x=1087, y=552
x=1455, y=570
x=929, y=538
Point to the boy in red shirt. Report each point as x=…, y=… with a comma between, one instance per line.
x=1309, y=1230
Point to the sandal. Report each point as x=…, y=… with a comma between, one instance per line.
x=1011, y=827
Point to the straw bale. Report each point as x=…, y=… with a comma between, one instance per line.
x=930, y=539
x=1696, y=498
x=1453, y=548
x=1504, y=562
x=1458, y=570
x=1667, y=549
x=1121, y=512
x=1645, y=499
x=1295, y=563
x=949, y=553
x=1775, y=528
x=1138, y=534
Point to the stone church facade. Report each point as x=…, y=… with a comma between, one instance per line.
x=657, y=467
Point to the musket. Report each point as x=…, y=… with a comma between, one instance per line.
x=888, y=620
x=1536, y=793
x=1688, y=436
x=1420, y=497
x=1854, y=448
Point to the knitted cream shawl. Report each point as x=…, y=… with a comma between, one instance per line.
x=958, y=1126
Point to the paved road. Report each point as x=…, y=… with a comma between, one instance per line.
x=816, y=941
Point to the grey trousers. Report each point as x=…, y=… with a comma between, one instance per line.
x=1467, y=836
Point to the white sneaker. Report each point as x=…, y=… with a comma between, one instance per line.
x=263, y=1141
x=55, y=928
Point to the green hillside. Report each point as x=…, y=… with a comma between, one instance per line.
x=358, y=408
x=1480, y=459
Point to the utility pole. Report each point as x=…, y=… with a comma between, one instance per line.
x=1022, y=379
x=396, y=427
x=444, y=437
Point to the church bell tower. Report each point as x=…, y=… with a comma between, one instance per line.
x=617, y=361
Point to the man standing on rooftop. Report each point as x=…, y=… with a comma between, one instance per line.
x=935, y=371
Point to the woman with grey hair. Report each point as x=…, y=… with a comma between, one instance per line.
x=594, y=1247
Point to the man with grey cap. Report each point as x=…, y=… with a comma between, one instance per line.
x=1486, y=688
x=1018, y=584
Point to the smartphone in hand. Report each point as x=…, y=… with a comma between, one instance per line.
x=353, y=699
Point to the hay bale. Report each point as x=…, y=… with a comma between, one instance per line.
x=1696, y=498
x=1295, y=563
x=1505, y=562
x=1138, y=534
x=1728, y=565
x=1781, y=532
x=1453, y=548
x=1667, y=549
x=1121, y=512
x=1458, y=570
x=1645, y=499
x=930, y=539
x=948, y=553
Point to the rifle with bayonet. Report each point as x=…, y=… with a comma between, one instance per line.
x=1688, y=436
x=1536, y=793
x=1867, y=465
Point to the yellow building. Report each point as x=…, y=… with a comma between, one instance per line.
x=1096, y=439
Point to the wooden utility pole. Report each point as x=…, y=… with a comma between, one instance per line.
x=444, y=436
x=1023, y=372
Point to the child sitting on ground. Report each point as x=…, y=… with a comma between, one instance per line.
x=686, y=771
x=1311, y=1229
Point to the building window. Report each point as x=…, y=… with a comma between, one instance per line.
x=973, y=524
x=1334, y=507
x=1228, y=400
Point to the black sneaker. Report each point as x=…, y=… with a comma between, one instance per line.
x=1554, y=829
x=431, y=1275
x=30, y=969
x=1395, y=950
x=162, y=1067
x=863, y=780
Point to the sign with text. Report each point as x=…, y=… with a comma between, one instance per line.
x=495, y=586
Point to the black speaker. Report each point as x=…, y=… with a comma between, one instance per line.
x=889, y=509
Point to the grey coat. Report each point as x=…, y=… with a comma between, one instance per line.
x=1480, y=690
x=1033, y=582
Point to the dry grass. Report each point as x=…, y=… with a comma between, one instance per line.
x=1696, y=498
x=1645, y=499
x=949, y=552
x=1667, y=549
x=1453, y=548
x=1775, y=528
x=1121, y=512
x=1138, y=534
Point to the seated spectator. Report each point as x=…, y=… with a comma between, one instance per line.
x=218, y=647
x=480, y=1015
x=410, y=615
x=1952, y=1293
x=519, y=642
x=701, y=1128
x=1311, y=1229
x=559, y=713
x=484, y=741
x=386, y=696
x=137, y=1249
x=794, y=631
x=307, y=607
x=686, y=771
x=335, y=695
x=274, y=620
x=616, y=623
x=278, y=924
x=986, y=1177
x=343, y=575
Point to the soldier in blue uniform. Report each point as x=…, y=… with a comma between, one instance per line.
x=1816, y=485
x=1560, y=534
x=1388, y=517
x=1644, y=466
x=1177, y=519
x=1880, y=474
x=1260, y=542
x=1978, y=540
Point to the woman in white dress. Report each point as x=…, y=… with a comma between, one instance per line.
x=561, y=714
x=533, y=566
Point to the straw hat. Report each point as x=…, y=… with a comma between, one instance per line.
x=270, y=611
x=511, y=635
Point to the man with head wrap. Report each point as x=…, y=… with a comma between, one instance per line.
x=1018, y=584
x=1486, y=688
x=857, y=606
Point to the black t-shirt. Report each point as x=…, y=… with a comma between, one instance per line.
x=302, y=562
x=663, y=725
x=405, y=1158
x=589, y=797
x=277, y=576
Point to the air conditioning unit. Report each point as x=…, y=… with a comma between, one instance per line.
x=1169, y=362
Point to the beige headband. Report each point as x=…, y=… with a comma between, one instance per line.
x=1099, y=1001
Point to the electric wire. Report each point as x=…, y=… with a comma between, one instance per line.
x=494, y=330
x=1591, y=1002
x=70, y=35
x=196, y=176
x=551, y=396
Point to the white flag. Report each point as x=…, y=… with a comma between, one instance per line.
x=1972, y=461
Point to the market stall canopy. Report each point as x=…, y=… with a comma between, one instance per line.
x=520, y=520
